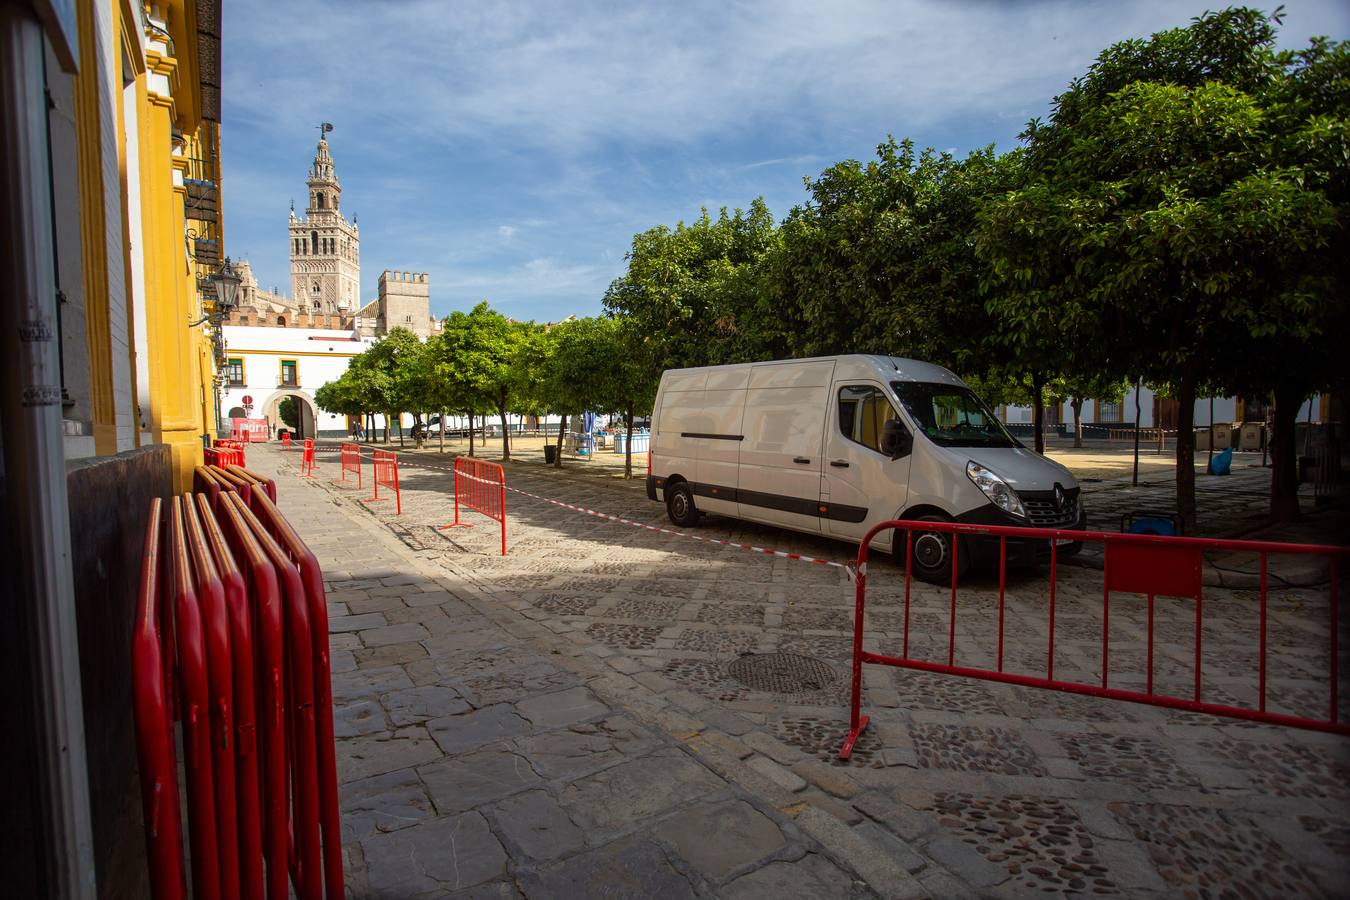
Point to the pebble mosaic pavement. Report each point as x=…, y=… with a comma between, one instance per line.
x=958, y=788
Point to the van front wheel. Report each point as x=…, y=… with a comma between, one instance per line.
x=931, y=554
x=680, y=506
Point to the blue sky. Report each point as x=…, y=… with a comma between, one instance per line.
x=512, y=150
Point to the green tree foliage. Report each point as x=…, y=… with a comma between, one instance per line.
x=694, y=289
x=1160, y=226
x=288, y=413
x=880, y=259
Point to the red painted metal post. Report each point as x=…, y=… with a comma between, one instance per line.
x=1335, y=644
x=1150, y=645
x=1002, y=588
x=1262, y=688
x=1106, y=615
x=856, y=721
x=398, y=495
x=154, y=732
x=909, y=564
x=1050, y=654
x=951, y=624
x=502, y=491
x=1199, y=632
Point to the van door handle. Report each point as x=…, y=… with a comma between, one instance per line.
x=802, y=460
x=839, y=463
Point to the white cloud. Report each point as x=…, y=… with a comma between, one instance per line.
x=506, y=231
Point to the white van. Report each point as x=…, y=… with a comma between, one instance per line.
x=834, y=445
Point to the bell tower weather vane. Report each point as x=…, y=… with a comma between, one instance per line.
x=324, y=128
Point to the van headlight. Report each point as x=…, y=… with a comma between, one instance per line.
x=996, y=489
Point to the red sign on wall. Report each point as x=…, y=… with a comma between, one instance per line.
x=248, y=400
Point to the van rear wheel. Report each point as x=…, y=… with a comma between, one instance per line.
x=680, y=506
x=931, y=554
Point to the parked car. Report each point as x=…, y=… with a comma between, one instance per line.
x=835, y=445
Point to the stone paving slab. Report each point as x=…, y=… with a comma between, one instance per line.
x=959, y=788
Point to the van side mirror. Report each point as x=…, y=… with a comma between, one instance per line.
x=896, y=441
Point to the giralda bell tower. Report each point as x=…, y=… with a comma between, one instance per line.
x=325, y=247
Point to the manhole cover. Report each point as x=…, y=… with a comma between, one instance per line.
x=782, y=673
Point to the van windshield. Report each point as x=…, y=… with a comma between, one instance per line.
x=952, y=416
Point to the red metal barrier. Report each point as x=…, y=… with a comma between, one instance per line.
x=223, y=456
x=220, y=680
x=1134, y=564
x=154, y=727
x=270, y=687
x=312, y=577
x=285, y=440
x=301, y=749
x=194, y=692
x=385, y=467
x=250, y=663
x=351, y=461
x=244, y=738
x=307, y=459
x=480, y=486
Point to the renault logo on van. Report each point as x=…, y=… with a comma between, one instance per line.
x=1059, y=495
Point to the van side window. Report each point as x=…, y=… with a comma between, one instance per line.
x=863, y=409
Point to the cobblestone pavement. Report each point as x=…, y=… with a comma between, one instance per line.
x=584, y=708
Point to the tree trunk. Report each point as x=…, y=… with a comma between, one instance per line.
x=628, y=450
x=471, y=433
x=506, y=432
x=1038, y=413
x=562, y=429
x=1077, y=404
x=1186, y=448
x=1138, y=390
x=1283, y=457
x=400, y=429
x=443, y=418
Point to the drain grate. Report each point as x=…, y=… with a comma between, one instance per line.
x=782, y=673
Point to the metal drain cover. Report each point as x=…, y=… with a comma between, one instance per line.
x=782, y=673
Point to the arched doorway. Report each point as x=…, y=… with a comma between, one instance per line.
x=300, y=411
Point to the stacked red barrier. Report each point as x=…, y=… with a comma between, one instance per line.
x=285, y=440
x=231, y=641
x=307, y=459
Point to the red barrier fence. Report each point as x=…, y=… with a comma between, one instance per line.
x=480, y=486
x=385, y=466
x=245, y=653
x=285, y=440
x=307, y=459
x=351, y=461
x=1151, y=566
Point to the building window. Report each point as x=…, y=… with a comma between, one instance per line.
x=281, y=320
x=1108, y=411
x=322, y=201
x=314, y=243
x=290, y=373
x=234, y=371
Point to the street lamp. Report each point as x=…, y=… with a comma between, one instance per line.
x=226, y=284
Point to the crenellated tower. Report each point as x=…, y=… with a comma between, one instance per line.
x=325, y=247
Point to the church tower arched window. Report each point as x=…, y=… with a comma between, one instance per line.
x=314, y=242
x=322, y=201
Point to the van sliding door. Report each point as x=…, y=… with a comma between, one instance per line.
x=781, y=455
